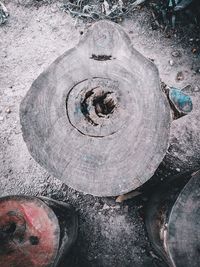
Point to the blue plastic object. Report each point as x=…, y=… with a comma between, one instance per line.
x=181, y=101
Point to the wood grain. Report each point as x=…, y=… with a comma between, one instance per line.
x=97, y=118
x=183, y=237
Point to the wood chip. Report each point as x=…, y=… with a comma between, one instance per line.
x=127, y=196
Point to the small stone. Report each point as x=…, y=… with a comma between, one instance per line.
x=1, y=118
x=176, y=53
x=168, y=35
x=171, y=62
x=196, y=89
x=180, y=76
x=153, y=255
x=39, y=62
x=8, y=110
x=151, y=59
x=178, y=169
x=197, y=70
x=194, y=50
x=105, y=207
x=54, y=9
x=126, y=208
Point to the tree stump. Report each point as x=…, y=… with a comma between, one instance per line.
x=97, y=118
x=31, y=226
x=172, y=220
x=183, y=237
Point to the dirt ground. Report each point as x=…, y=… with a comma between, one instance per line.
x=110, y=234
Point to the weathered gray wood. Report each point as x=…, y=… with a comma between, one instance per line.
x=173, y=220
x=97, y=118
x=183, y=235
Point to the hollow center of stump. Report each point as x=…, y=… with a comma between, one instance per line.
x=104, y=104
x=98, y=101
x=9, y=228
x=94, y=107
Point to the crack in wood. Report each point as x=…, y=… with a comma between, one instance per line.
x=101, y=57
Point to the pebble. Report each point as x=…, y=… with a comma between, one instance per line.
x=178, y=169
x=196, y=89
x=194, y=50
x=8, y=110
x=176, y=53
x=39, y=62
x=153, y=254
x=54, y=9
x=171, y=62
x=105, y=207
x=180, y=76
x=1, y=118
x=168, y=35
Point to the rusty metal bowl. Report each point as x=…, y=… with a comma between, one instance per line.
x=35, y=232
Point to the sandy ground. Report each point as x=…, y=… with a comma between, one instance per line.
x=110, y=234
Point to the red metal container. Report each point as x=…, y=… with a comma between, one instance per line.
x=35, y=232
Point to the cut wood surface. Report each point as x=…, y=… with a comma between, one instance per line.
x=183, y=237
x=97, y=118
x=172, y=220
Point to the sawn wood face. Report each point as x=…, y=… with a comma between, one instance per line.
x=97, y=118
